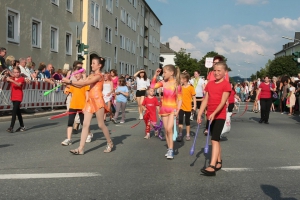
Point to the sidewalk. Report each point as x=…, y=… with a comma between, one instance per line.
x=29, y=115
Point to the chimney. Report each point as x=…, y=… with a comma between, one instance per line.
x=168, y=44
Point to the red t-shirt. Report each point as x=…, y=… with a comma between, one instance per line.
x=215, y=93
x=17, y=91
x=265, y=92
x=231, y=97
x=150, y=104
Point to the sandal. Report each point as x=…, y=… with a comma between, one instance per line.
x=209, y=173
x=218, y=168
x=205, y=132
x=76, y=152
x=109, y=147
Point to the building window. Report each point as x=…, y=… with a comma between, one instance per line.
x=133, y=47
x=135, y=3
x=68, y=43
x=13, y=26
x=95, y=13
x=116, y=55
x=117, y=3
x=122, y=42
x=54, y=39
x=70, y=5
x=108, y=35
x=116, y=26
x=109, y=5
x=36, y=31
x=108, y=64
x=123, y=15
x=55, y=2
x=129, y=20
x=143, y=11
x=133, y=24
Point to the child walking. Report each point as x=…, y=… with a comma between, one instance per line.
x=217, y=93
x=16, y=97
x=121, y=98
x=188, y=94
x=150, y=104
x=79, y=96
x=171, y=102
x=94, y=104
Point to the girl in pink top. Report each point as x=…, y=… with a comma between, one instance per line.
x=114, y=78
x=171, y=102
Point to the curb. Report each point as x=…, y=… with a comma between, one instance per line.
x=34, y=115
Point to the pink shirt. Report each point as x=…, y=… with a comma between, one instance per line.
x=115, y=82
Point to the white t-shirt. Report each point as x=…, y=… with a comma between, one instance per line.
x=26, y=72
x=142, y=84
x=199, y=87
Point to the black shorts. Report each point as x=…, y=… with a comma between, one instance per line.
x=216, y=128
x=187, y=117
x=198, y=102
x=230, y=107
x=140, y=93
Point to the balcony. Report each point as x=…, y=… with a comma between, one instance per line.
x=146, y=43
x=146, y=23
x=145, y=62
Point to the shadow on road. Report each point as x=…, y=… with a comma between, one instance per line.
x=254, y=118
x=5, y=145
x=274, y=193
x=42, y=126
x=207, y=157
x=116, y=140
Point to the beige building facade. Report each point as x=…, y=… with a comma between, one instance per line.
x=40, y=29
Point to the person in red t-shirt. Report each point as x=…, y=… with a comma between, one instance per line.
x=265, y=92
x=16, y=84
x=217, y=93
x=150, y=104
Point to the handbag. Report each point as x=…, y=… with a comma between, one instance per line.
x=274, y=95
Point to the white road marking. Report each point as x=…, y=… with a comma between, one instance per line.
x=237, y=169
x=50, y=175
x=288, y=168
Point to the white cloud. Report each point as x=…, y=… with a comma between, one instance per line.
x=163, y=1
x=239, y=43
x=176, y=44
x=252, y=2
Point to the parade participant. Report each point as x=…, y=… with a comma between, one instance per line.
x=199, y=85
x=188, y=93
x=121, y=100
x=171, y=103
x=114, y=78
x=107, y=93
x=231, y=99
x=217, y=93
x=291, y=100
x=264, y=90
x=142, y=84
x=16, y=82
x=150, y=105
x=95, y=104
x=79, y=96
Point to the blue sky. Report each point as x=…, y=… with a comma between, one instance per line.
x=237, y=29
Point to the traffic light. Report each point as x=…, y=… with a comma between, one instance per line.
x=82, y=50
x=296, y=57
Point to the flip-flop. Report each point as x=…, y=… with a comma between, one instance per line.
x=76, y=152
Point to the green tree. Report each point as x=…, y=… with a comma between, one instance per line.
x=185, y=62
x=283, y=65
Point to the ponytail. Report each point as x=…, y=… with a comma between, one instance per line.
x=177, y=75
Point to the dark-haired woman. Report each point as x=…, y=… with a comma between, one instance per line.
x=142, y=84
x=95, y=104
x=264, y=91
x=17, y=83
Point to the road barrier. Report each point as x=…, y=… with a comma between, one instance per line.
x=33, y=96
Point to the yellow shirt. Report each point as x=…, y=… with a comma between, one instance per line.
x=78, y=97
x=187, y=95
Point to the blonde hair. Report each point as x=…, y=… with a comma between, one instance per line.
x=186, y=76
x=176, y=72
x=9, y=60
x=225, y=66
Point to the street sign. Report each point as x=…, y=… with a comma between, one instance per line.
x=209, y=62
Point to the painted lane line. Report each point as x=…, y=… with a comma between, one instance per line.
x=50, y=175
x=287, y=168
x=237, y=169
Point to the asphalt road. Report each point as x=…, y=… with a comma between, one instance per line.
x=259, y=162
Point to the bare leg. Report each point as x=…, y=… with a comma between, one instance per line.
x=188, y=129
x=103, y=127
x=180, y=127
x=85, y=130
x=69, y=132
x=215, y=154
x=168, y=122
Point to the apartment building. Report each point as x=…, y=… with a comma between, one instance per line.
x=290, y=47
x=130, y=38
x=40, y=29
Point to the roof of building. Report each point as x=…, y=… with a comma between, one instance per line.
x=165, y=49
x=290, y=44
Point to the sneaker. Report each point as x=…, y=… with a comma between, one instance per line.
x=89, y=138
x=192, y=117
x=147, y=136
x=10, y=130
x=66, y=142
x=21, y=129
x=141, y=116
x=156, y=133
x=179, y=138
x=114, y=121
x=187, y=138
x=170, y=154
x=167, y=153
x=122, y=122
